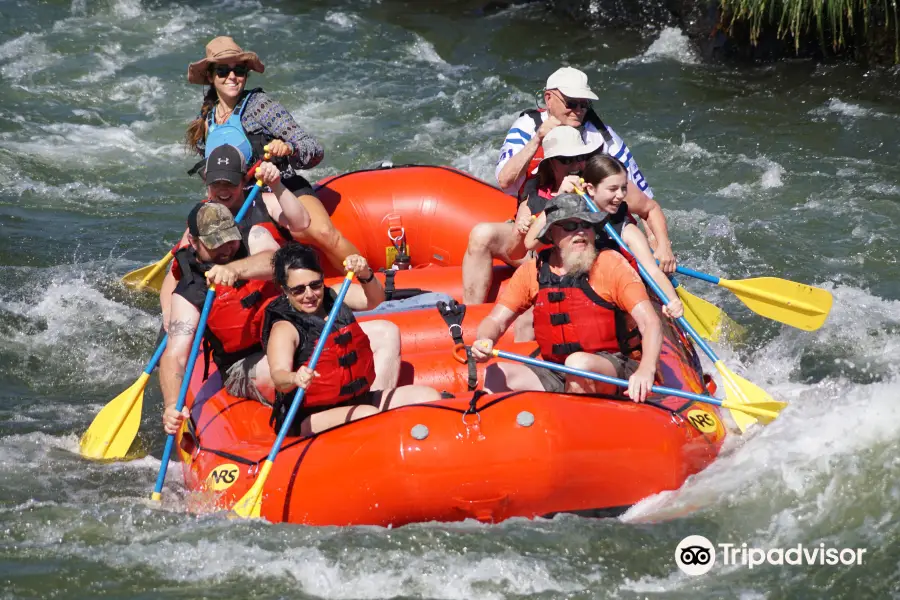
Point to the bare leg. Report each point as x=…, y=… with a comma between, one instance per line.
x=262, y=379
x=509, y=377
x=385, y=339
x=334, y=417
x=593, y=363
x=486, y=241
x=323, y=234
x=408, y=394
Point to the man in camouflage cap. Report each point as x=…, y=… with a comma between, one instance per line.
x=218, y=254
x=591, y=311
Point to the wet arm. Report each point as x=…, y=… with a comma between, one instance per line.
x=651, y=335
x=286, y=208
x=515, y=167
x=636, y=241
x=648, y=209
x=364, y=296
x=182, y=327
x=283, y=342
x=256, y=266
x=495, y=324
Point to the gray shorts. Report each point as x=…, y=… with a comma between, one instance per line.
x=554, y=381
x=239, y=379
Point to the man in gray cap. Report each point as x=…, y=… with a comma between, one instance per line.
x=217, y=254
x=591, y=311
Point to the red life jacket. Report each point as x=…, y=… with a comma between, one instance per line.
x=346, y=366
x=569, y=317
x=235, y=319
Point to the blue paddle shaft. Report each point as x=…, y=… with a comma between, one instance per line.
x=157, y=355
x=320, y=345
x=658, y=389
x=185, y=383
x=662, y=296
x=192, y=359
x=697, y=274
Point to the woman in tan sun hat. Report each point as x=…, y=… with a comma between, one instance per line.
x=247, y=119
x=250, y=120
x=564, y=153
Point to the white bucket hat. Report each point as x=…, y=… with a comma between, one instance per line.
x=571, y=82
x=566, y=141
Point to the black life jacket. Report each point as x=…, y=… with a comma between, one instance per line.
x=346, y=366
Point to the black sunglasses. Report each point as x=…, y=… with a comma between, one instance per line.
x=574, y=104
x=299, y=290
x=568, y=160
x=223, y=70
x=574, y=225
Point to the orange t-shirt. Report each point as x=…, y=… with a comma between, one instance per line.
x=611, y=277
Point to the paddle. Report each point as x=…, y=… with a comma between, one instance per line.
x=736, y=388
x=795, y=304
x=764, y=411
x=249, y=506
x=151, y=276
x=113, y=429
x=182, y=393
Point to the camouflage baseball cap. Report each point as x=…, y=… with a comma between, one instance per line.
x=213, y=225
x=565, y=207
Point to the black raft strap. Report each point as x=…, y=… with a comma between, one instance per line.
x=389, y=286
x=453, y=314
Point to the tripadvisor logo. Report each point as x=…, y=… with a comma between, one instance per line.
x=696, y=555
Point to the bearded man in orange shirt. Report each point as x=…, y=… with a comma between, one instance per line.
x=591, y=311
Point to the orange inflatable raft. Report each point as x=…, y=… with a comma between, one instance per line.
x=487, y=457
x=432, y=209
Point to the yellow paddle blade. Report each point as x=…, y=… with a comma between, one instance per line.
x=149, y=278
x=765, y=412
x=740, y=393
x=703, y=316
x=112, y=432
x=795, y=304
x=249, y=506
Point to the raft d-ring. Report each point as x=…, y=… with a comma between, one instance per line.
x=471, y=412
x=399, y=237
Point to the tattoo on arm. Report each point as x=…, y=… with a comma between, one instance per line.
x=181, y=328
x=257, y=232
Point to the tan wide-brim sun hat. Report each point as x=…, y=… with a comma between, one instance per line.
x=222, y=49
x=564, y=140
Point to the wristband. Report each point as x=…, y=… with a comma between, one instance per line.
x=369, y=278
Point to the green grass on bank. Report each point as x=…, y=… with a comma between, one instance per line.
x=797, y=17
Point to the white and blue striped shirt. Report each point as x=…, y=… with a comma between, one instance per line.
x=524, y=129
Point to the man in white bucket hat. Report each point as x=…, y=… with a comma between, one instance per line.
x=567, y=97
